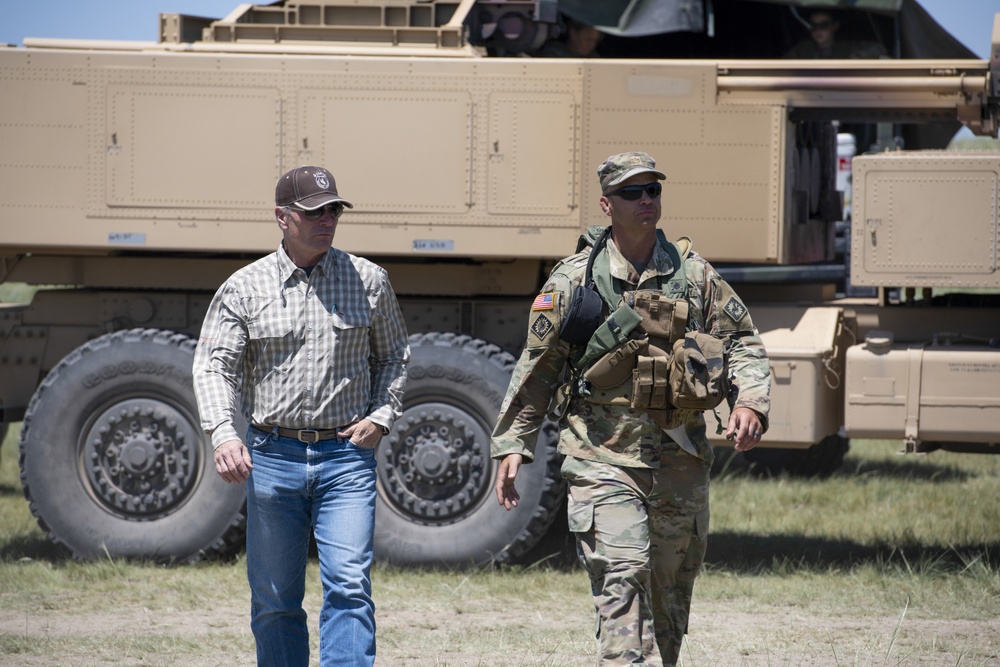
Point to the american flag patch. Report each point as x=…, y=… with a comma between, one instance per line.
x=543, y=301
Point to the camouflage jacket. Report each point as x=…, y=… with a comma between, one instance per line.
x=616, y=434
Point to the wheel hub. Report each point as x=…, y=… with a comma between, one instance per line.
x=141, y=458
x=434, y=466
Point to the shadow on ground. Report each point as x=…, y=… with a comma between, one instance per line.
x=766, y=554
x=763, y=554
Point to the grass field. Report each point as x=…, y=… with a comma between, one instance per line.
x=894, y=560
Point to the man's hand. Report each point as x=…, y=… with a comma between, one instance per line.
x=232, y=461
x=507, y=495
x=744, y=424
x=364, y=434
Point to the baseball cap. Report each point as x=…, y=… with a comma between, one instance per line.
x=618, y=168
x=308, y=188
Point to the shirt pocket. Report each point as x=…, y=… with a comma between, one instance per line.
x=270, y=326
x=271, y=344
x=350, y=332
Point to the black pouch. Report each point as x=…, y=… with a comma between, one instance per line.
x=586, y=306
x=583, y=316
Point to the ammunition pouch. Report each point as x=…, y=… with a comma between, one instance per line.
x=650, y=382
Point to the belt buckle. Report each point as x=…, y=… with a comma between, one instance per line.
x=308, y=435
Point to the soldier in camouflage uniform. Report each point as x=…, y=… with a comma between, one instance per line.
x=638, y=479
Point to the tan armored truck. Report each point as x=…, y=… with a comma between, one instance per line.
x=137, y=176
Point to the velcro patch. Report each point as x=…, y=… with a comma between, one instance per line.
x=541, y=326
x=735, y=309
x=544, y=301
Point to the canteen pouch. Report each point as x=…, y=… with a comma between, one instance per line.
x=699, y=372
x=583, y=316
x=610, y=334
x=616, y=366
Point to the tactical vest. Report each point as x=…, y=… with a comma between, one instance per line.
x=641, y=355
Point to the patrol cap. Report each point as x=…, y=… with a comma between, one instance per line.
x=618, y=168
x=308, y=188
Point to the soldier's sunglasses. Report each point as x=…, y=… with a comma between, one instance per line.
x=634, y=192
x=336, y=209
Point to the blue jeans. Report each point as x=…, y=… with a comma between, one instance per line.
x=327, y=489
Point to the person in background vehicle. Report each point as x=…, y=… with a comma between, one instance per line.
x=580, y=41
x=822, y=41
x=311, y=342
x=636, y=464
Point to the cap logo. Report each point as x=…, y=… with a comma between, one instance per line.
x=322, y=181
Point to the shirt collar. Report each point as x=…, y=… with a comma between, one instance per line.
x=286, y=267
x=621, y=268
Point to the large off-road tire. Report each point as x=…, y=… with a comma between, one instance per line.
x=436, y=504
x=820, y=460
x=113, y=459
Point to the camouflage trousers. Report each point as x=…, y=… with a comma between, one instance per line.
x=642, y=536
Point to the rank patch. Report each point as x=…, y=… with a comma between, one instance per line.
x=735, y=309
x=541, y=326
x=544, y=301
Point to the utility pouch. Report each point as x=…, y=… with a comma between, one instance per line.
x=699, y=372
x=650, y=383
x=610, y=334
x=663, y=317
x=616, y=366
x=583, y=315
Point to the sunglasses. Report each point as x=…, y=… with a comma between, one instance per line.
x=336, y=209
x=821, y=25
x=634, y=192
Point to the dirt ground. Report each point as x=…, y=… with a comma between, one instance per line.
x=480, y=635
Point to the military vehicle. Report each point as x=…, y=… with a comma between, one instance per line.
x=137, y=176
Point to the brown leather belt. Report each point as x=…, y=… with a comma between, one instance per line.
x=300, y=434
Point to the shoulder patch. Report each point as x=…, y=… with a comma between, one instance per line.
x=541, y=326
x=544, y=301
x=735, y=309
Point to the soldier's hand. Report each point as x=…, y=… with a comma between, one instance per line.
x=507, y=495
x=744, y=429
x=232, y=461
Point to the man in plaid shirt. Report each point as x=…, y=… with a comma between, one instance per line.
x=311, y=343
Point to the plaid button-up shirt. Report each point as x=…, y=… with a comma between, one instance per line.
x=317, y=351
